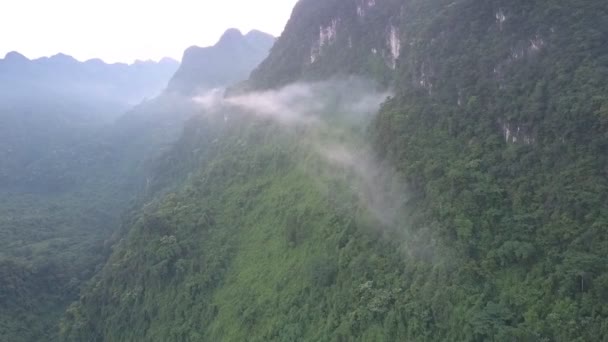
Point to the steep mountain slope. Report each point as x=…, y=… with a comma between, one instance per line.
x=239, y=179
x=229, y=61
x=497, y=126
x=499, y=122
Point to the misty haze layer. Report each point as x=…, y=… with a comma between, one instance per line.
x=333, y=116
x=94, y=86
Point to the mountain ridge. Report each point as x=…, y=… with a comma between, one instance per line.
x=18, y=55
x=229, y=61
x=61, y=78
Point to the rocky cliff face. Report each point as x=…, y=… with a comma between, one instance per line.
x=335, y=37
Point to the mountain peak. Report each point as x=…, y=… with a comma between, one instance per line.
x=229, y=61
x=260, y=38
x=230, y=36
x=95, y=61
x=254, y=33
x=15, y=56
x=63, y=58
x=168, y=60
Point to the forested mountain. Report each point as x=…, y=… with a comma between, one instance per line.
x=471, y=207
x=226, y=63
x=395, y=170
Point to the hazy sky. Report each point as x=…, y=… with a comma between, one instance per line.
x=125, y=30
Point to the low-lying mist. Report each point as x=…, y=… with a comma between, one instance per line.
x=335, y=115
x=353, y=100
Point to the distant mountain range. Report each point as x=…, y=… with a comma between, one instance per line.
x=95, y=85
x=229, y=61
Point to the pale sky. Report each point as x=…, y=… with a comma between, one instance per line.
x=126, y=30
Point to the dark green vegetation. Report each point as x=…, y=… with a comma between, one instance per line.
x=51, y=245
x=262, y=225
x=504, y=139
x=63, y=188
x=247, y=240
